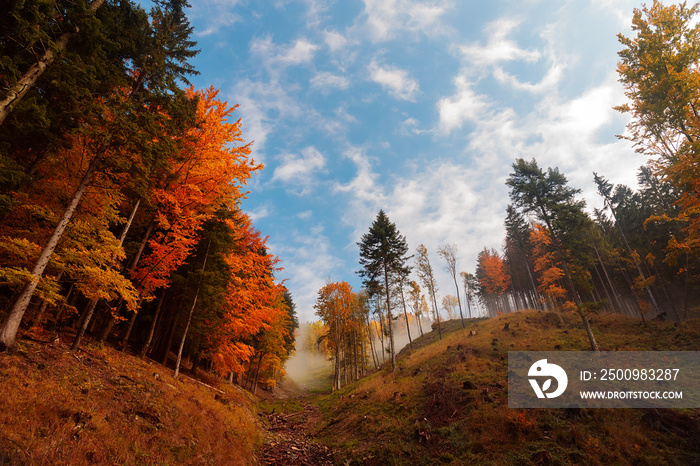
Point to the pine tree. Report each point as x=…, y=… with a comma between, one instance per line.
x=547, y=196
x=382, y=255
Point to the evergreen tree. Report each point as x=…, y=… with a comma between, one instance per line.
x=382, y=255
x=547, y=196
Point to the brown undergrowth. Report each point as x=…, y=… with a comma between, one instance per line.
x=99, y=406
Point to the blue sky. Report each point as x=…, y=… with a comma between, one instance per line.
x=415, y=107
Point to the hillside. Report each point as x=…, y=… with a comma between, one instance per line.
x=100, y=406
x=447, y=402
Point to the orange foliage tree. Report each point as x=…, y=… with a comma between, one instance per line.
x=659, y=70
x=493, y=280
x=89, y=254
x=549, y=274
x=251, y=302
x=334, y=305
x=210, y=169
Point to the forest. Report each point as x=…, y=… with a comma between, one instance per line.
x=121, y=194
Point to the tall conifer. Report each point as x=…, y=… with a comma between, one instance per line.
x=382, y=255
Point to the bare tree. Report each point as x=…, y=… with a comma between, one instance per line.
x=449, y=253
x=425, y=272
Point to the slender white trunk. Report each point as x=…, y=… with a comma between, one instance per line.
x=10, y=325
x=388, y=313
x=189, y=318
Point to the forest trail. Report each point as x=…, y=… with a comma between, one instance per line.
x=290, y=439
x=290, y=429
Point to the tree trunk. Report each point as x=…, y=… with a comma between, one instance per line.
x=39, y=315
x=469, y=306
x=134, y=262
x=86, y=321
x=18, y=91
x=169, y=341
x=189, y=318
x=371, y=344
x=408, y=325
x=336, y=380
x=381, y=335
x=62, y=307
x=10, y=325
x=570, y=282
x=152, y=330
x=615, y=301
x=459, y=300
x=345, y=364
x=388, y=313
x=437, y=311
x=132, y=321
x=257, y=373
x=107, y=328
x=93, y=302
x=633, y=256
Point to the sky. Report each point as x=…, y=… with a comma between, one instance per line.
x=415, y=107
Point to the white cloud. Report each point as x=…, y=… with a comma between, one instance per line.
x=213, y=23
x=300, y=52
x=326, y=81
x=217, y=23
x=464, y=105
x=364, y=184
x=499, y=48
x=577, y=136
x=387, y=17
x=395, y=80
x=258, y=101
x=441, y=202
x=410, y=126
x=334, y=40
x=259, y=213
x=548, y=82
x=315, y=11
x=500, y=51
x=298, y=170
x=366, y=194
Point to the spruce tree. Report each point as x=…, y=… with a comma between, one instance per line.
x=552, y=201
x=383, y=255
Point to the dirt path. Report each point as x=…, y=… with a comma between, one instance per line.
x=289, y=439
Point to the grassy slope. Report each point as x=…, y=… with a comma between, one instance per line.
x=104, y=407
x=375, y=420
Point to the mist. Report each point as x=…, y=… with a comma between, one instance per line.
x=305, y=367
x=308, y=364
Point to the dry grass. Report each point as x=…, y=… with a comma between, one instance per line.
x=102, y=407
x=376, y=420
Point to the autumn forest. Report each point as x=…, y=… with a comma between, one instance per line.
x=121, y=194
x=121, y=188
